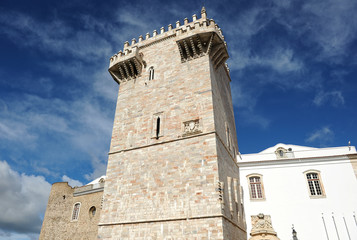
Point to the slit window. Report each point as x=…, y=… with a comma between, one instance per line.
x=157, y=127
x=151, y=73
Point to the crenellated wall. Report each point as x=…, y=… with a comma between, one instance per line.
x=194, y=39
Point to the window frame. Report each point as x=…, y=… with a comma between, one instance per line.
x=260, y=176
x=322, y=189
x=73, y=211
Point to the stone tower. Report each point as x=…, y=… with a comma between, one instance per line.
x=172, y=170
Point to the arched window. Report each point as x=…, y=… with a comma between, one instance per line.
x=151, y=73
x=256, y=186
x=75, y=213
x=280, y=153
x=92, y=211
x=314, y=183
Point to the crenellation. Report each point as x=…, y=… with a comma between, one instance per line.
x=227, y=68
x=194, y=27
x=126, y=51
x=220, y=32
x=203, y=13
x=126, y=44
x=133, y=41
x=179, y=31
x=205, y=23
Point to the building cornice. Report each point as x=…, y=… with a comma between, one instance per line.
x=290, y=161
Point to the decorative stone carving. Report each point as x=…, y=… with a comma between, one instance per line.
x=262, y=228
x=191, y=127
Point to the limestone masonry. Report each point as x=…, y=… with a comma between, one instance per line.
x=172, y=170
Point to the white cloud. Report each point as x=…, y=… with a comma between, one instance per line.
x=71, y=182
x=332, y=24
x=334, y=97
x=23, y=200
x=18, y=236
x=279, y=59
x=83, y=123
x=253, y=118
x=321, y=136
x=99, y=169
x=54, y=36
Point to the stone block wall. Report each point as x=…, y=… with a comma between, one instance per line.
x=169, y=181
x=58, y=224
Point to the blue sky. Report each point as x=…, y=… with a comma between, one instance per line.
x=293, y=68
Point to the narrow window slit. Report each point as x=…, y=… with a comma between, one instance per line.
x=157, y=127
x=151, y=73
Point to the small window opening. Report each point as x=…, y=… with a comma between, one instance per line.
x=151, y=73
x=75, y=213
x=281, y=153
x=92, y=211
x=255, y=188
x=157, y=127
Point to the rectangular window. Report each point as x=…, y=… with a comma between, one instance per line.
x=314, y=184
x=228, y=134
x=256, y=187
x=75, y=213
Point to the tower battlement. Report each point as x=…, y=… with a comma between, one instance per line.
x=194, y=39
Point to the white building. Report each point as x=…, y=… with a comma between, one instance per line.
x=314, y=189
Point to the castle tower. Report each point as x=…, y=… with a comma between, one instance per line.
x=172, y=170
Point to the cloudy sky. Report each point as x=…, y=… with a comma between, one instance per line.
x=293, y=68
